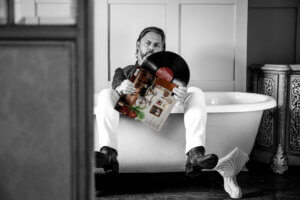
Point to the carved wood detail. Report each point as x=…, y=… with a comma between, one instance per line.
x=279, y=162
x=265, y=133
x=294, y=132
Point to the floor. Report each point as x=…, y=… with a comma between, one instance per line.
x=258, y=183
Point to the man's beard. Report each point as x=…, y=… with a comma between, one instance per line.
x=142, y=56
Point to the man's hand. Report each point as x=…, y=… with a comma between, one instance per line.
x=181, y=94
x=126, y=87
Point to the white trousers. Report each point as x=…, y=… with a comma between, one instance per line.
x=195, y=117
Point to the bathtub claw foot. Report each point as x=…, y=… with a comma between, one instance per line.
x=229, y=166
x=232, y=188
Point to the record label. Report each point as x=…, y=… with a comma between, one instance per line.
x=165, y=73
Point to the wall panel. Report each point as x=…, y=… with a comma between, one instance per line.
x=211, y=36
x=272, y=35
x=209, y=48
x=123, y=32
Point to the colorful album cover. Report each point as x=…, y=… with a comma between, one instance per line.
x=152, y=101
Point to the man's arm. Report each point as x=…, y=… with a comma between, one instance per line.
x=119, y=77
x=122, y=74
x=121, y=82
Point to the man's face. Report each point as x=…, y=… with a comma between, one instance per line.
x=149, y=44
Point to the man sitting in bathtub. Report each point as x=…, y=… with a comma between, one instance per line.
x=151, y=40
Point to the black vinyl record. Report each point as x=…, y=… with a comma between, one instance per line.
x=169, y=65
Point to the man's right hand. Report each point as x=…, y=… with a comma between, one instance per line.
x=126, y=87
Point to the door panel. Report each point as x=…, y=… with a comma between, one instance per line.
x=36, y=148
x=45, y=12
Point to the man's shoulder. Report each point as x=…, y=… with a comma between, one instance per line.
x=128, y=69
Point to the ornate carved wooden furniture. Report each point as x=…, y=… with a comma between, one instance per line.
x=293, y=117
x=278, y=138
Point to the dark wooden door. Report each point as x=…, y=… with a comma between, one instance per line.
x=46, y=103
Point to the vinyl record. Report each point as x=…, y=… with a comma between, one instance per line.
x=169, y=66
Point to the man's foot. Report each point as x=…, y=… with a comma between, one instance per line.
x=107, y=159
x=197, y=160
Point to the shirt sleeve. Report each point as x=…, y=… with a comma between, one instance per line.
x=121, y=74
x=119, y=77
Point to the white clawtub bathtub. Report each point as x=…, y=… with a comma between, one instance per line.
x=232, y=125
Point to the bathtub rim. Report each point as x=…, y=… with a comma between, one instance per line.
x=264, y=102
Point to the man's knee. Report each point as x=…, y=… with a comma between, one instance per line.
x=196, y=94
x=107, y=97
x=196, y=91
x=105, y=93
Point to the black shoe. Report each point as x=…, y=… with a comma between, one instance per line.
x=197, y=160
x=107, y=159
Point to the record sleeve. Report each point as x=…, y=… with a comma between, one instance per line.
x=154, y=80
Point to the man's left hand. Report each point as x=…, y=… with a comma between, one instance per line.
x=181, y=94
